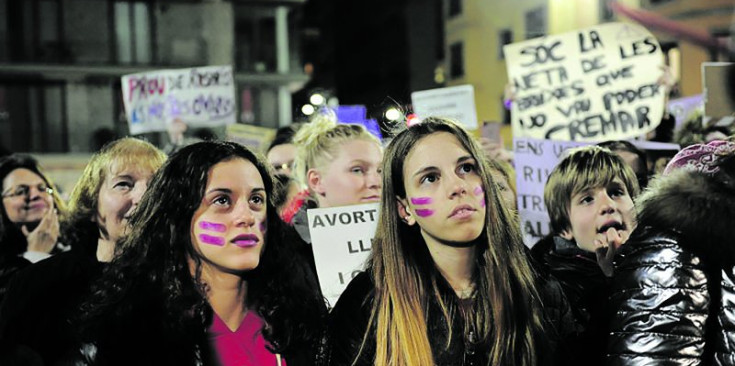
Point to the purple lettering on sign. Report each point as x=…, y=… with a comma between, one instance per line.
x=424, y=212
x=206, y=225
x=421, y=200
x=213, y=240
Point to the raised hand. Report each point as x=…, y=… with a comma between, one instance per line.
x=607, y=244
x=44, y=237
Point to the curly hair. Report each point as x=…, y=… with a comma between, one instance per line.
x=152, y=274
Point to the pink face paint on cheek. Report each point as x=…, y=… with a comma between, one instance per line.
x=421, y=200
x=213, y=226
x=482, y=203
x=213, y=240
x=424, y=212
x=263, y=226
x=478, y=191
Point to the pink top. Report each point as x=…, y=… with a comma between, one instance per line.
x=243, y=347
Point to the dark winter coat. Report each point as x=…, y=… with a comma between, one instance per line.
x=586, y=289
x=674, y=288
x=351, y=316
x=42, y=300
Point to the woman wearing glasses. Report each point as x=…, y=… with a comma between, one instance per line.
x=29, y=222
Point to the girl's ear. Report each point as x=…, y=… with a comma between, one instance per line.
x=404, y=211
x=314, y=181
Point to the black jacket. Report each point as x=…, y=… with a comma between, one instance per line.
x=349, y=320
x=674, y=289
x=42, y=301
x=10, y=265
x=586, y=289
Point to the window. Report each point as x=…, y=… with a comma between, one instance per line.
x=505, y=36
x=255, y=38
x=133, y=33
x=536, y=23
x=456, y=59
x=455, y=7
x=606, y=14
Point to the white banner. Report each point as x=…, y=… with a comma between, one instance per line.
x=595, y=84
x=201, y=97
x=455, y=102
x=534, y=160
x=341, y=238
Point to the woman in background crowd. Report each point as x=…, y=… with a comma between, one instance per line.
x=339, y=164
x=42, y=300
x=29, y=222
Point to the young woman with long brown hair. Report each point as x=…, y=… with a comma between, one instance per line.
x=448, y=282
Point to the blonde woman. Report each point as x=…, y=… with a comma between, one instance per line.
x=339, y=164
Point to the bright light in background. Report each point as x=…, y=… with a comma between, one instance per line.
x=316, y=99
x=307, y=109
x=392, y=114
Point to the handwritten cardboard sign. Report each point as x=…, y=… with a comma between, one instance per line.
x=595, y=84
x=201, y=97
x=254, y=137
x=455, y=102
x=342, y=239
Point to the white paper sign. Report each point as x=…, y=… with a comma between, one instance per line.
x=455, y=102
x=201, y=97
x=535, y=159
x=595, y=84
x=341, y=238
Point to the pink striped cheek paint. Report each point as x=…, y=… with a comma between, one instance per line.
x=212, y=226
x=479, y=191
x=424, y=212
x=212, y=240
x=421, y=200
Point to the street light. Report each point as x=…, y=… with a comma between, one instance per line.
x=317, y=99
x=392, y=114
x=307, y=109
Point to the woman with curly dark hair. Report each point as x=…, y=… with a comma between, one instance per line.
x=208, y=273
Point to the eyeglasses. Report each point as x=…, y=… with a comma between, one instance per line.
x=24, y=190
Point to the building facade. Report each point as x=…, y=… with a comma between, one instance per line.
x=61, y=62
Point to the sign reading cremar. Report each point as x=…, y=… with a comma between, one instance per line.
x=595, y=84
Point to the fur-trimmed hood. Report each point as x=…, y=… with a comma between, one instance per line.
x=700, y=207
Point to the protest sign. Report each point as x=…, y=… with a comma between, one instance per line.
x=357, y=114
x=455, y=102
x=719, y=93
x=201, y=97
x=341, y=240
x=682, y=108
x=254, y=137
x=595, y=84
x=535, y=159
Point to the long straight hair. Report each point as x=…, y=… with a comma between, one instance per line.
x=507, y=316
